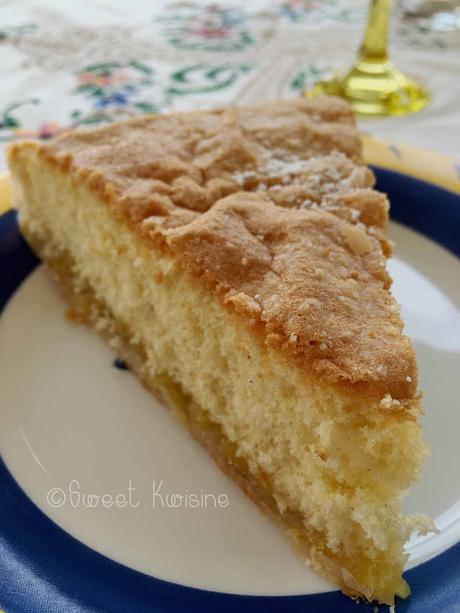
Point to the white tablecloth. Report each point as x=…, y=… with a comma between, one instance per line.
x=66, y=64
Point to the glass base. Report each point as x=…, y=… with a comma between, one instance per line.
x=375, y=89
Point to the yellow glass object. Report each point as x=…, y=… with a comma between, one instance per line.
x=372, y=85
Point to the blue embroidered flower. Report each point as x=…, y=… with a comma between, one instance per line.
x=112, y=99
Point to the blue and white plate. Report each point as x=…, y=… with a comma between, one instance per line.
x=108, y=505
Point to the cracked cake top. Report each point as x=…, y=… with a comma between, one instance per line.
x=274, y=207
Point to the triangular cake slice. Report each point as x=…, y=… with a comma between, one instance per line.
x=236, y=260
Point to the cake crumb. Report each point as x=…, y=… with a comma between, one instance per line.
x=355, y=214
x=150, y=221
x=319, y=273
x=357, y=239
x=273, y=339
x=389, y=402
x=313, y=302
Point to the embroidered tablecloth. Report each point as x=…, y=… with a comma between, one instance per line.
x=66, y=64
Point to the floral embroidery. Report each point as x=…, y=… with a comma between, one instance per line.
x=114, y=90
x=11, y=125
x=43, y=132
x=14, y=31
x=210, y=28
x=202, y=79
x=307, y=77
x=171, y=63
x=317, y=10
x=416, y=33
x=111, y=91
x=112, y=84
x=8, y=119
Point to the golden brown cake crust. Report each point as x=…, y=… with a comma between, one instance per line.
x=273, y=207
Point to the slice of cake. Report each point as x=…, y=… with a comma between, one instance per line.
x=236, y=260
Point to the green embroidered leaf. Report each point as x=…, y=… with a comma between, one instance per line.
x=146, y=107
x=102, y=68
x=7, y=120
x=307, y=77
x=141, y=67
x=199, y=79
